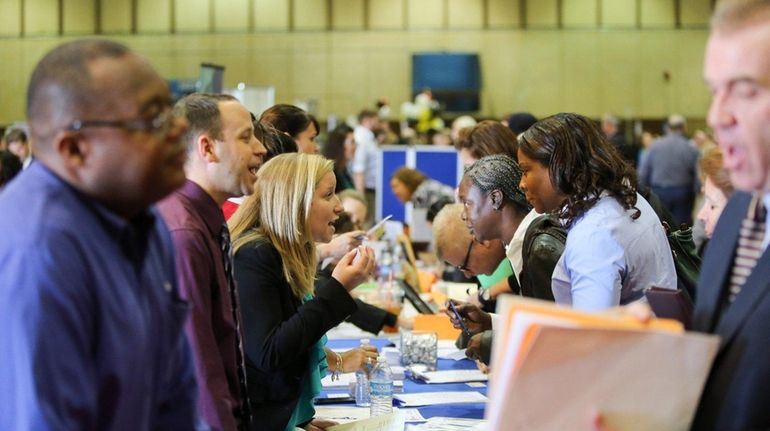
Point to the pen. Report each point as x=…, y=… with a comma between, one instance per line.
x=374, y=228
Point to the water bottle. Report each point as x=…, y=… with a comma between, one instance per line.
x=381, y=382
x=362, y=382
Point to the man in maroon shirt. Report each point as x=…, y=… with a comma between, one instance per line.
x=223, y=158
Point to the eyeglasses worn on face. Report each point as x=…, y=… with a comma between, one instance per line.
x=158, y=123
x=464, y=265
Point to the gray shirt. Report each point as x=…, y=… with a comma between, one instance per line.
x=671, y=161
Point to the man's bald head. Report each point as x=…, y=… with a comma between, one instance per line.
x=730, y=15
x=62, y=87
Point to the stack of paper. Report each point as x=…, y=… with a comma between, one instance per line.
x=438, y=423
x=345, y=414
x=451, y=376
x=555, y=368
x=390, y=422
x=433, y=398
x=347, y=379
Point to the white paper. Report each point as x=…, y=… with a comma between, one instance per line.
x=390, y=422
x=412, y=415
x=345, y=414
x=433, y=398
x=451, y=424
x=343, y=381
x=339, y=395
x=342, y=414
x=454, y=354
x=346, y=379
x=452, y=376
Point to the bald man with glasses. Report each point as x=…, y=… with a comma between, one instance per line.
x=92, y=319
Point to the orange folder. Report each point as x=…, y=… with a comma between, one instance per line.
x=557, y=368
x=438, y=323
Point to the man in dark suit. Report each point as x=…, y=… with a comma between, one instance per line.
x=733, y=299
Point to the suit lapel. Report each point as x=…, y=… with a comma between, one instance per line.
x=750, y=296
x=715, y=269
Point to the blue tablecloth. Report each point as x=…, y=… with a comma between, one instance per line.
x=470, y=410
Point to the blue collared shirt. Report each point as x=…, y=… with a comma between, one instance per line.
x=91, y=328
x=610, y=258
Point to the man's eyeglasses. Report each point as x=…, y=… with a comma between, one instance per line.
x=464, y=265
x=158, y=123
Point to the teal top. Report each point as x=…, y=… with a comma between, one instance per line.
x=503, y=271
x=311, y=384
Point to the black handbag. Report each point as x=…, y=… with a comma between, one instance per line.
x=686, y=259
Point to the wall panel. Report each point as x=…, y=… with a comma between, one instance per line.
x=153, y=16
x=425, y=14
x=115, y=16
x=10, y=18
x=386, y=14
x=618, y=13
x=192, y=16
x=503, y=13
x=465, y=14
x=695, y=13
x=657, y=14
x=271, y=15
x=310, y=14
x=78, y=17
x=579, y=13
x=41, y=17
x=348, y=14
x=581, y=70
x=231, y=15
x=619, y=68
x=542, y=14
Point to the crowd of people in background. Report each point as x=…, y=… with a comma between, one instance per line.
x=215, y=248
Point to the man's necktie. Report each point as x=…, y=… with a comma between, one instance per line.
x=227, y=259
x=749, y=247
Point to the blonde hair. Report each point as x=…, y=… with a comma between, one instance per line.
x=450, y=231
x=712, y=167
x=278, y=212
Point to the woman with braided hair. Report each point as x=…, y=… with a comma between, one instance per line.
x=616, y=246
x=495, y=208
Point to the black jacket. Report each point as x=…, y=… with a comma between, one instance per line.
x=542, y=248
x=278, y=331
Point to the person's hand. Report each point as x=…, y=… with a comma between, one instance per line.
x=405, y=322
x=484, y=368
x=474, y=318
x=355, y=267
x=319, y=424
x=472, y=349
x=340, y=245
x=359, y=359
x=638, y=310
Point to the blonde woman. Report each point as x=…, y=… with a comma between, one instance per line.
x=274, y=234
x=717, y=189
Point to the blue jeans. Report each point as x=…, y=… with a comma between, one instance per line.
x=679, y=200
